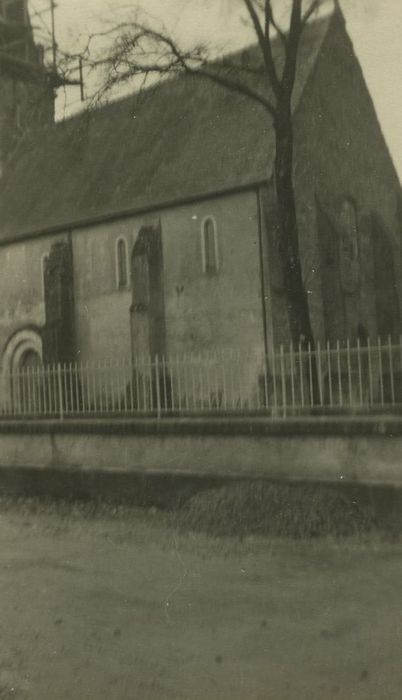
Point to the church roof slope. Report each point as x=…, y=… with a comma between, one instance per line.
x=183, y=139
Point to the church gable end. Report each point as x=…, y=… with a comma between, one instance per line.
x=342, y=161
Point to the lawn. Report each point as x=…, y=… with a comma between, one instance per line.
x=118, y=605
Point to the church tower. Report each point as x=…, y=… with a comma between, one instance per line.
x=26, y=91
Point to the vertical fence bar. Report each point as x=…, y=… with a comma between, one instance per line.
x=88, y=383
x=14, y=394
x=164, y=378
x=152, y=394
x=65, y=390
x=301, y=374
x=116, y=370
x=20, y=393
x=131, y=388
x=186, y=399
x=43, y=390
x=193, y=382
x=77, y=389
x=319, y=369
x=26, y=383
x=391, y=371
x=224, y=386
x=178, y=374
x=125, y=387
x=117, y=366
x=310, y=374
x=200, y=393
x=274, y=380
x=172, y=383
x=111, y=386
x=48, y=387
x=329, y=363
x=231, y=380
x=239, y=383
x=370, y=372
x=283, y=380
x=100, y=377
x=70, y=377
x=56, y=392
x=39, y=384
x=158, y=389
x=349, y=372
x=146, y=388
x=94, y=402
x=35, y=398
x=216, y=383
x=359, y=370
x=32, y=390
x=60, y=391
x=266, y=396
x=249, y=383
x=338, y=358
x=380, y=368
x=107, y=387
x=35, y=409
x=292, y=373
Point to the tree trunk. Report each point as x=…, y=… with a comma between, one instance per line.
x=296, y=295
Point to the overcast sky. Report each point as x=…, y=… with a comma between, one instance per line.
x=375, y=27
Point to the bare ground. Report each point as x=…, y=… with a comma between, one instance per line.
x=120, y=606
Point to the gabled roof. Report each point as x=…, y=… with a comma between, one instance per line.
x=181, y=140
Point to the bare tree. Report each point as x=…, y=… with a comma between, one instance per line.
x=141, y=49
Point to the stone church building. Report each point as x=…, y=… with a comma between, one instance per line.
x=149, y=226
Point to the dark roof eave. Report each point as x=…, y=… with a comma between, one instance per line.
x=132, y=211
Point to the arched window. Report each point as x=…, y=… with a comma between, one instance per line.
x=349, y=231
x=121, y=263
x=209, y=244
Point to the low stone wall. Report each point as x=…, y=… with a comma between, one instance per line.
x=367, y=451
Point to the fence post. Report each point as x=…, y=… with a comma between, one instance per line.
x=158, y=388
x=60, y=391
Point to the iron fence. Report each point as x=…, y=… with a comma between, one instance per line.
x=330, y=378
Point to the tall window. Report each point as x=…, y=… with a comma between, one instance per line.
x=349, y=240
x=121, y=263
x=349, y=247
x=209, y=242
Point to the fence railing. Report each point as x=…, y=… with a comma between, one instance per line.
x=331, y=378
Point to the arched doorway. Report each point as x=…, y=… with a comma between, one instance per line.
x=21, y=373
x=30, y=360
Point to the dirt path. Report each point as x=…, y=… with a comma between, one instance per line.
x=124, y=609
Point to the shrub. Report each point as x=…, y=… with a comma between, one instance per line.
x=277, y=509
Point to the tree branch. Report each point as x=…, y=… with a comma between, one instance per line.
x=295, y=30
x=271, y=21
x=146, y=51
x=265, y=46
x=310, y=11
